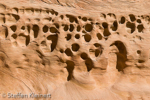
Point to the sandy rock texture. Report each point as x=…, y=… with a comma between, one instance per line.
x=75, y=49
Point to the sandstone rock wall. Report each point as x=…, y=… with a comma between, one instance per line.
x=74, y=54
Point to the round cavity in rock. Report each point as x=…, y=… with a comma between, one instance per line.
x=88, y=27
x=78, y=28
x=138, y=51
x=45, y=29
x=87, y=37
x=132, y=17
x=138, y=20
x=13, y=28
x=140, y=28
x=105, y=25
x=99, y=36
x=23, y=27
x=71, y=28
x=66, y=28
x=68, y=37
x=61, y=51
x=53, y=30
x=68, y=52
x=14, y=36
x=75, y=47
x=97, y=52
x=84, y=19
x=77, y=36
x=122, y=21
x=84, y=56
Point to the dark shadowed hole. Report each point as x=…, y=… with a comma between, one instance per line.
x=68, y=52
x=71, y=28
x=122, y=21
x=13, y=28
x=78, y=28
x=89, y=64
x=84, y=56
x=84, y=19
x=66, y=28
x=16, y=17
x=68, y=37
x=97, y=45
x=138, y=51
x=121, y=55
x=88, y=27
x=75, y=47
x=45, y=29
x=87, y=37
x=131, y=26
x=97, y=52
x=77, y=36
x=138, y=20
x=106, y=32
x=72, y=18
x=70, y=68
x=115, y=26
x=28, y=28
x=62, y=17
x=105, y=25
x=23, y=27
x=132, y=17
x=36, y=30
x=140, y=28
x=54, y=39
x=61, y=50
x=14, y=36
x=53, y=30
x=141, y=61
x=99, y=36
x=27, y=40
x=57, y=25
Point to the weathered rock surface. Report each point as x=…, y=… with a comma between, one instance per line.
x=75, y=49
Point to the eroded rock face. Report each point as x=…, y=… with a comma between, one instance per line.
x=74, y=56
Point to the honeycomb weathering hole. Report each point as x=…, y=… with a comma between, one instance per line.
x=71, y=28
x=88, y=27
x=66, y=28
x=89, y=64
x=75, y=47
x=132, y=17
x=14, y=36
x=131, y=26
x=36, y=30
x=121, y=55
x=70, y=68
x=87, y=37
x=77, y=36
x=54, y=39
x=99, y=36
x=53, y=30
x=68, y=52
x=84, y=56
x=105, y=25
x=68, y=37
x=45, y=29
x=122, y=20
x=13, y=28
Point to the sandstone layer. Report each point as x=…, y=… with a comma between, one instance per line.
x=75, y=49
